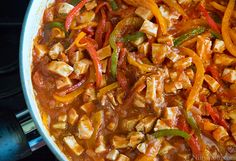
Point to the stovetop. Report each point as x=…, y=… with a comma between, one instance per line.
x=11, y=96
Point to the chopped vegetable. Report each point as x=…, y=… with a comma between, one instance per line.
x=133, y=37
x=56, y=24
x=69, y=97
x=106, y=89
x=113, y=4
x=194, y=32
x=171, y=132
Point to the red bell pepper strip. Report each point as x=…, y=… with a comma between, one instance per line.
x=108, y=33
x=102, y=5
x=214, y=72
x=94, y=56
x=216, y=117
x=73, y=13
x=210, y=20
x=101, y=29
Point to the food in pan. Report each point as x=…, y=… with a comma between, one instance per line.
x=138, y=80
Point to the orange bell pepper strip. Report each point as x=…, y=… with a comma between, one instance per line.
x=69, y=97
x=101, y=29
x=73, y=13
x=199, y=78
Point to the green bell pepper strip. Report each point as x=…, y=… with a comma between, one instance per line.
x=132, y=37
x=171, y=132
x=128, y=23
x=74, y=2
x=56, y=24
x=215, y=35
x=113, y=4
x=192, y=122
x=194, y=32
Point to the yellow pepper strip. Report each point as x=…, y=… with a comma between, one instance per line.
x=69, y=97
x=199, y=78
x=77, y=40
x=142, y=67
x=233, y=35
x=84, y=25
x=225, y=28
x=221, y=8
x=106, y=89
x=176, y=6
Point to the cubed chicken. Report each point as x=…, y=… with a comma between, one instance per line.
x=86, y=16
x=63, y=82
x=89, y=94
x=208, y=126
x=204, y=49
x=61, y=68
x=62, y=118
x=173, y=56
x=169, y=15
x=60, y=125
x=129, y=123
x=159, y=52
x=88, y=107
x=139, y=101
x=56, y=50
x=160, y=125
x=165, y=148
x=146, y=124
x=91, y=5
x=184, y=81
x=151, y=89
x=149, y=28
x=190, y=73
x=233, y=130
x=73, y=145
x=64, y=8
x=143, y=48
x=185, y=2
x=76, y=57
x=166, y=39
x=232, y=114
x=213, y=84
x=72, y=116
x=220, y=133
x=219, y=46
x=224, y=59
x=40, y=50
x=82, y=66
x=112, y=99
x=123, y=157
x=229, y=75
x=142, y=147
x=135, y=138
x=101, y=145
x=170, y=87
x=113, y=155
x=112, y=126
x=104, y=52
x=171, y=113
x=120, y=142
x=183, y=63
x=85, y=128
x=144, y=13
x=138, y=41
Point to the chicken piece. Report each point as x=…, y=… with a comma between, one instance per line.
x=229, y=75
x=160, y=125
x=40, y=50
x=104, y=52
x=185, y=2
x=165, y=148
x=64, y=8
x=219, y=133
x=190, y=73
x=86, y=16
x=204, y=49
x=169, y=15
x=138, y=41
x=159, y=52
x=142, y=147
x=112, y=155
x=149, y=28
x=112, y=126
x=219, y=46
x=233, y=130
x=139, y=101
x=76, y=57
x=61, y=68
x=144, y=13
x=151, y=89
x=183, y=63
x=62, y=118
x=73, y=145
x=60, y=125
x=146, y=124
x=135, y=138
x=170, y=87
x=224, y=60
x=130, y=123
x=173, y=56
x=166, y=39
x=63, y=82
x=123, y=157
x=88, y=107
x=213, y=84
x=184, y=81
x=82, y=66
x=91, y=5
x=143, y=48
x=232, y=114
x=171, y=114
x=112, y=99
x=208, y=126
x=72, y=116
x=89, y=94
x=55, y=50
x=120, y=142
x=85, y=128
x=101, y=145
